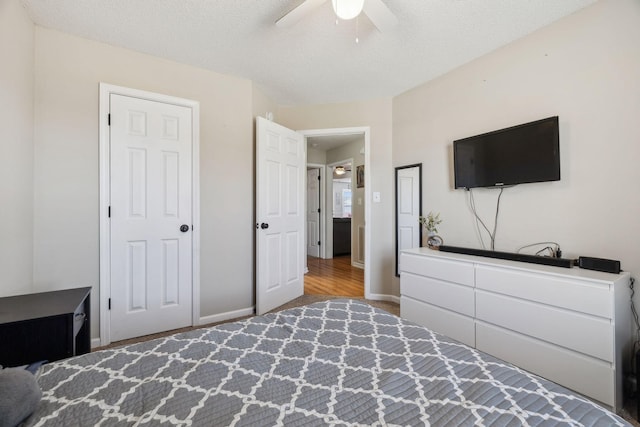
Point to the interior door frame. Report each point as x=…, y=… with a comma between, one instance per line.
x=323, y=206
x=106, y=90
x=397, y=206
x=365, y=131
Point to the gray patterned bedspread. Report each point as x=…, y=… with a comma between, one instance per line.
x=341, y=362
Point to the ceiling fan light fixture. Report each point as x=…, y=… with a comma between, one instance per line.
x=340, y=170
x=347, y=9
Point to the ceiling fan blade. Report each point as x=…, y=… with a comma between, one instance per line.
x=299, y=12
x=380, y=15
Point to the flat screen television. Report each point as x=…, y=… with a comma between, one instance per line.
x=520, y=154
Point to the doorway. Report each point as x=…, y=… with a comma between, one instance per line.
x=148, y=213
x=341, y=268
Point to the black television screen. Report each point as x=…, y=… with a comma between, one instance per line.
x=520, y=154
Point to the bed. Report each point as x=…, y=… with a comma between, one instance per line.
x=339, y=362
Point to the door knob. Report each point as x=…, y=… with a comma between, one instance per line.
x=184, y=228
x=264, y=225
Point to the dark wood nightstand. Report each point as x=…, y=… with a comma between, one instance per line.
x=45, y=326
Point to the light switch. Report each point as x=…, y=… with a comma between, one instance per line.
x=376, y=197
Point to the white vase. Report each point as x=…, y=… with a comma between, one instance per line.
x=433, y=240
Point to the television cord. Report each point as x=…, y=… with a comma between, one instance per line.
x=472, y=207
x=492, y=234
x=555, y=252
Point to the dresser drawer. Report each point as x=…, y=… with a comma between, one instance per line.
x=447, y=295
x=583, y=296
x=583, y=374
x=586, y=334
x=460, y=328
x=447, y=270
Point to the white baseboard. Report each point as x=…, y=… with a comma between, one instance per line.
x=97, y=342
x=383, y=297
x=357, y=264
x=214, y=318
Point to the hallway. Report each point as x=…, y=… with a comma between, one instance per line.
x=333, y=277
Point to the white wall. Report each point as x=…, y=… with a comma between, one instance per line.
x=16, y=144
x=585, y=69
x=377, y=115
x=68, y=71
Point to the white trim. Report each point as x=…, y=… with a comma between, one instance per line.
x=357, y=265
x=384, y=297
x=105, y=245
x=221, y=317
x=366, y=130
x=95, y=343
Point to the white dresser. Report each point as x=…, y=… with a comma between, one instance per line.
x=569, y=325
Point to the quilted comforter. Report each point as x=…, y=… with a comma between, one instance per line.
x=340, y=362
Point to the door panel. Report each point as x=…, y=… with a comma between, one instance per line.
x=280, y=168
x=151, y=185
x=313, y=212
x=408, y=209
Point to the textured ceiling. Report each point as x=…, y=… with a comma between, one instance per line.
x=315, y=61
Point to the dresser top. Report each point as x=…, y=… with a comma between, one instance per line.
x=45, y=304
x=574, y=272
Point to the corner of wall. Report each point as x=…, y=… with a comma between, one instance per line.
x=17, y=142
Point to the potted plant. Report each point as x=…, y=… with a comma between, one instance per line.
x=430, y=223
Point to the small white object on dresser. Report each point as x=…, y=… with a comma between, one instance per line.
x=569, y=325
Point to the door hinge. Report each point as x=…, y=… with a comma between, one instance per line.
x=109, y=303
x=318, y=177
x=318, y=242
x=108, y=119
x=109, y=213
x=318, y=210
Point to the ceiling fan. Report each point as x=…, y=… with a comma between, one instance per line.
x=376, y=11
x=342, y=169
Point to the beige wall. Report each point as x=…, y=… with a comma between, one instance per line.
x=315, y=156
x=377, y=115
x=16, y=144
x=352, y=151
x=68, y=72
x=585, y=69
x=262, y=104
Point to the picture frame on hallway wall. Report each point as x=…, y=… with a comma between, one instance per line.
x=360, y=176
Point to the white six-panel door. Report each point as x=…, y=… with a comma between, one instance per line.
x=313, y=212
x=151, y=191
x=280, y=215
x=408, y=208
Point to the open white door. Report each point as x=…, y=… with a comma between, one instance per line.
x=280, y=215
x=313, y=212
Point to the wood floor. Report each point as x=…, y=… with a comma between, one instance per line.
x=333, y=277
